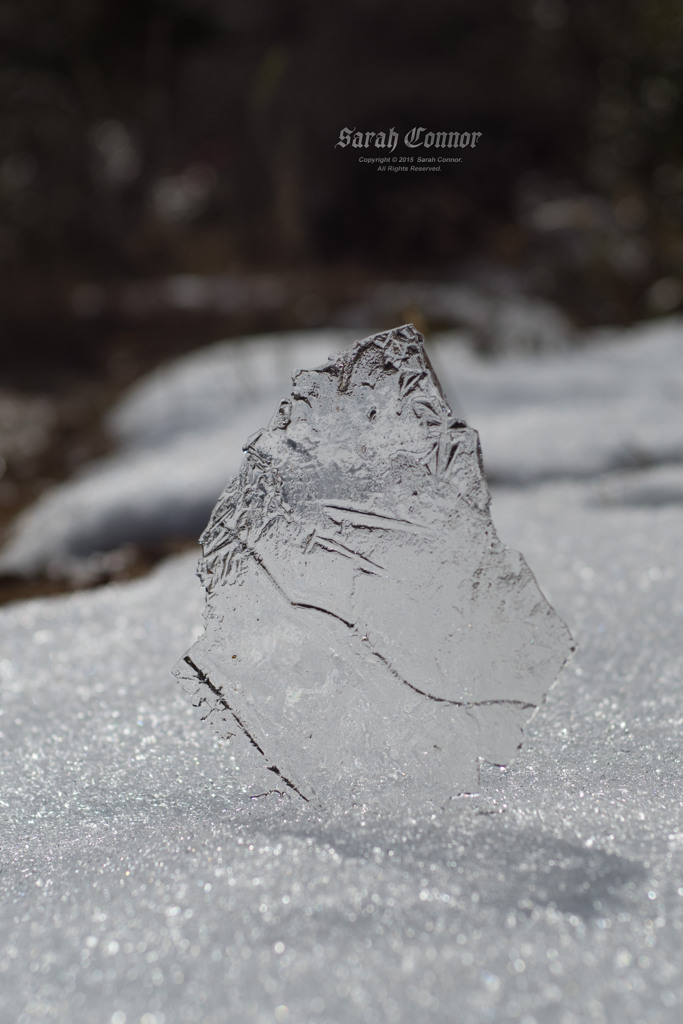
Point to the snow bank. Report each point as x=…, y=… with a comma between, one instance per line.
x=500, y=318
x=180, y=432
x=616, y=402
x=199, y=392
x=141, y=884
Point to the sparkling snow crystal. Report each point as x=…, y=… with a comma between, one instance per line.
x=367, y=634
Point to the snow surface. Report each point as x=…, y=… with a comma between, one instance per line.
x=142, y=883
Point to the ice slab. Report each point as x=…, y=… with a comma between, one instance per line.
x=366, y=631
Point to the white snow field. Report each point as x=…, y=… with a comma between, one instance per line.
x=144, y=881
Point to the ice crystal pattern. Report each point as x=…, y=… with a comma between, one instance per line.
x=367, y=635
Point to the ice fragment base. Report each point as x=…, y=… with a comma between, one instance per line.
x=366, y=633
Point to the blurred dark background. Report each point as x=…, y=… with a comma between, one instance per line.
x=168, y=176
x=141, y=138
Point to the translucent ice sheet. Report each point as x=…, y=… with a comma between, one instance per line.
x=367, y=634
